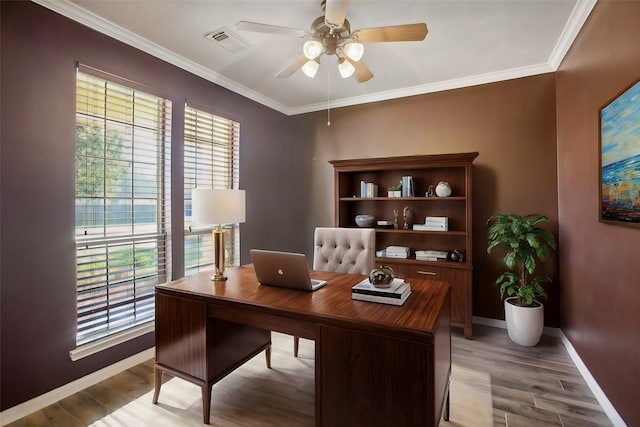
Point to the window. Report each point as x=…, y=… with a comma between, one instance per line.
x=211, y=160
x=122, y=214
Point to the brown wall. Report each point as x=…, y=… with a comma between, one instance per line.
x=39, y=52
x=600, y=269
x=511, y=124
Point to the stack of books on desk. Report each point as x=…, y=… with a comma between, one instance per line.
x=396, y=294
x=431, y=255
x=396, y=252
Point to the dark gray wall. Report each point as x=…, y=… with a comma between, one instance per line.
x=39, y=51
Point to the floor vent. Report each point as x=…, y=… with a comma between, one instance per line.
x=227, y=39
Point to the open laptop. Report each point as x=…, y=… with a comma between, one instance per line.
x=284, y=269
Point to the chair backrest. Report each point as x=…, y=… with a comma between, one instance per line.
x=344, y=250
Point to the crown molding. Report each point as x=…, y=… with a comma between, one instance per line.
x=578, y=16
x=97, y=23
x=479, y=79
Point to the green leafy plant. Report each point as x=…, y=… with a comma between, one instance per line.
x=396, y=187
x=523, y=243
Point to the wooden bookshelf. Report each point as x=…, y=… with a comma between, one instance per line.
x=426, y=170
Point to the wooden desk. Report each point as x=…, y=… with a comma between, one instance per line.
x=376, y=365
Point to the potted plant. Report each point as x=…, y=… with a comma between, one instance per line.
x=523, y=243
x=395, y=190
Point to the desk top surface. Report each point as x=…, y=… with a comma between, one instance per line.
x=332, y=302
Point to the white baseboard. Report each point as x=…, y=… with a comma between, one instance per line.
x=23, y=409
x=602, y=399
x=608, y=408
x=497, y=323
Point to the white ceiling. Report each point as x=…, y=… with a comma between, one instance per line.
x=469, y=42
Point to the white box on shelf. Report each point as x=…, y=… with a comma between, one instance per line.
x=437, y=223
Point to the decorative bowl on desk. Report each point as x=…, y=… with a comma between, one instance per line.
x=365, y=221
x=381, y=277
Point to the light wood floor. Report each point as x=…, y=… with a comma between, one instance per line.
x=494, y=383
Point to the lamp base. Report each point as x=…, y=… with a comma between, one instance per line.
x=218, y=249
x=218, y=278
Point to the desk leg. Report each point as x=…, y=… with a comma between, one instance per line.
x=267, y=355
x=206, y=402
x=158, y=378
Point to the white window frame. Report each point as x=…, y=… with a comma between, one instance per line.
x=211, y=160
x=128, y=218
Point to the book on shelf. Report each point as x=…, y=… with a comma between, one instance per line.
x=397, y=249
x=397, y=252
x=368, y=189
x=437, y=223
x=372, y=190
x=431, y=255
x=396, y=255
x=384, y=254
x=381, y=300
x=407, y=186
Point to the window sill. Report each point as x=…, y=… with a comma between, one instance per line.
x=111, y=341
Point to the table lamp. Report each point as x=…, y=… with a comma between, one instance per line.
x=217, y=207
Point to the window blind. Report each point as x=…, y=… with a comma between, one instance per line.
x=211, y=160
x=122, y=211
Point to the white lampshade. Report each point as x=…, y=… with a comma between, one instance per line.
x=354, y=51
x=310, y=68
x=312, y=49
x=346, y=68
x=217, y=206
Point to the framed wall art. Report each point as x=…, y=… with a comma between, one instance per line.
x=620, y=158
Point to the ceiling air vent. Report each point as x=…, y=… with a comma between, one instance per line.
x=227, y=39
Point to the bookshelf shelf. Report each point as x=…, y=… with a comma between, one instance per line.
x=401, y=199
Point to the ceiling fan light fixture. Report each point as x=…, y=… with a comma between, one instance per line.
x=354, y=51
x=310, y=68
x=346, y=68
x=312, y=49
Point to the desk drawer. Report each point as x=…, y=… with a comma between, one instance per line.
x=263, y=319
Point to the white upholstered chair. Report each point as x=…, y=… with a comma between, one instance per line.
x=343, y=250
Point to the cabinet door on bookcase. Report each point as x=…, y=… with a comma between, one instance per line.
x=456, y=278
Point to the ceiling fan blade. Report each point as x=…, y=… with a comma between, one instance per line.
x=335, y=11
x=362, y=73
x=271, y=29
x=394, y=33
x=291, y=68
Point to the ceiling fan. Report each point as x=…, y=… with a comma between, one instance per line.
x=331, y=35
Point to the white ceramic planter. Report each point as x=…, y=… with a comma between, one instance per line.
x=524, y=324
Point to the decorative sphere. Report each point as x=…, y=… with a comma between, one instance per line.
x=365, y=221
x=443, y=189
x=381, y=277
